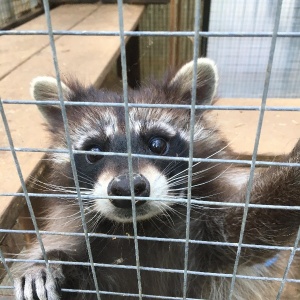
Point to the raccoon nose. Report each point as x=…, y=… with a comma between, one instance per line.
x=120, y=186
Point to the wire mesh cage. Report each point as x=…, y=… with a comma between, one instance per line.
x=139, y=195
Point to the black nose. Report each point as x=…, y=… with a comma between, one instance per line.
x=120, y=186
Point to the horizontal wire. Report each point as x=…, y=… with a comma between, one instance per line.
x=150, y=33
x=155, y=239
x=114, y=294
x=130, y=295
x=208, y=160
x=170, y=199
x=149, y=269
x=151, y=105
x=147, y=238
x=193, y=201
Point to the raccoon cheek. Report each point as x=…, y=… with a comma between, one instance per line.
x=160, y=188
x=157, y=180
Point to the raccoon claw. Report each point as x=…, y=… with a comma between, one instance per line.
x=38, y=283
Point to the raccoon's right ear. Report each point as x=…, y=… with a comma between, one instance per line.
x=207, y=81
x=45, y=88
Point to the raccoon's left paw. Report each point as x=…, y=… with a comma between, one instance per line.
x=38, y=283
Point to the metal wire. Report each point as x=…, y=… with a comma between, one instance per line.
x=256, y=144
x=205, y=203
x=152, y=269
x=145, y=238
x=115, y=294
x=23, y=184
x=151, y=33
x=129, y=295
x=191, y=147
x=69, y=144
x=286, y=272
x=188, y=201
x=128, y=139
x=148, y=105
x=213, y=160
x=6, y=266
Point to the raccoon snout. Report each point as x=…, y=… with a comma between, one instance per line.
x=120, y=186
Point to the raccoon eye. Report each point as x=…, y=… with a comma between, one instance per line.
x=158, y=145
x=90, y=158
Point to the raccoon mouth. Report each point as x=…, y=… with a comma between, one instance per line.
x=126, y=204
x=126, y=215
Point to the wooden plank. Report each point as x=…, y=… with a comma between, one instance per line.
x=18, y=49
x=90, y=58
x=280, y=130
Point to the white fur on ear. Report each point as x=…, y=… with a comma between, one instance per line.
x=45, y=88
x=207, y=78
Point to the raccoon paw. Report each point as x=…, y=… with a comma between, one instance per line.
x=38, y=284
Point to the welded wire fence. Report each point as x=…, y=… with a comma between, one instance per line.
x=196, y=35
x=254, y=16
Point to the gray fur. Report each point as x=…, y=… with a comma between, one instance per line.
x=212, y=182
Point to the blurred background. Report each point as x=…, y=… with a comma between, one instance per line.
x=241, y=60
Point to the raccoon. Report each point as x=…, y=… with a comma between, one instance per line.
x=156, y=135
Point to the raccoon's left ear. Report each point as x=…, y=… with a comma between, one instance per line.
x=46, y=88
x=207, y=81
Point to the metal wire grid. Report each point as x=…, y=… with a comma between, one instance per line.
x=130, y=155
x=232, y=54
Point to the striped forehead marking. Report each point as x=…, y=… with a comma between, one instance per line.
x=105, y=125
x=140, y=120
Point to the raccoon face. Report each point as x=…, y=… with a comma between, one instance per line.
x=159, y=132
x=150, y=178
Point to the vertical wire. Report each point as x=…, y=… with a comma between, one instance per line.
x=23, y=184
x=6, y=267
x=284, y=278
x=69, y=144
x=191, y=148
x=128, y=138
x=234, y=42
x=253, y=41
x=257, y=139
x=238, y=89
